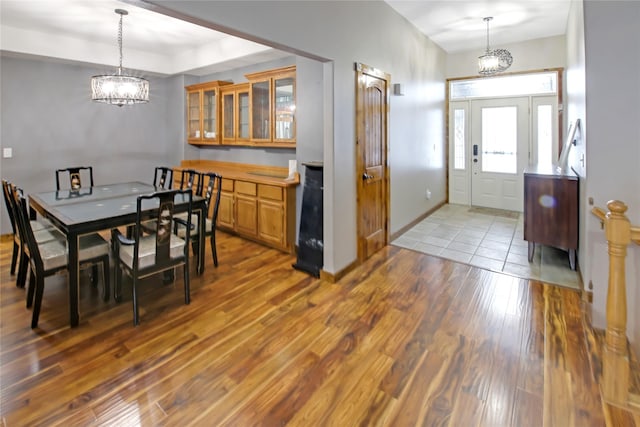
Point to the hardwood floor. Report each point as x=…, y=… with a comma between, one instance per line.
x=404, y=339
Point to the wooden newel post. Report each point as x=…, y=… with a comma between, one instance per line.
x=616, y=356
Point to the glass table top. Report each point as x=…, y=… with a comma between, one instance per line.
x=98, y=202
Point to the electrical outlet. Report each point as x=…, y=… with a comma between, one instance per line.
x=7, y=153
x=428, y=194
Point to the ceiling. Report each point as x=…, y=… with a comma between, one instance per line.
x=457, y=25
x=85, y=31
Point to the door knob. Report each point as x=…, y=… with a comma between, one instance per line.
x=366, y=176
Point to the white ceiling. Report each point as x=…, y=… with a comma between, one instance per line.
x=86, y=31
x=457, y=25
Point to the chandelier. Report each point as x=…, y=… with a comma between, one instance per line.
x=493, y=61
x=119, y=89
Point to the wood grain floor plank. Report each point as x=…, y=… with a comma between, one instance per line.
x=403, y=339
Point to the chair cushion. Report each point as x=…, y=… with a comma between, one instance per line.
x=93, y=246
x=54, y=252
x=40, y=224
x=194, y=223
x=48, y=234
x=147, y=251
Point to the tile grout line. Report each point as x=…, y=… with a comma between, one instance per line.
x=511, y=243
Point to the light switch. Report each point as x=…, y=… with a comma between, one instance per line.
x=7, y=153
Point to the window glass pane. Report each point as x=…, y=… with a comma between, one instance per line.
x=524, y=84
x=545, y=138
x=500, y=139
x=458, y=143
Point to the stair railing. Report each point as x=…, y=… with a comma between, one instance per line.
x=615, y=364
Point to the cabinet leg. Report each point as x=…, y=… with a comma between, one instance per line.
x=572, y=259
x=532, y=247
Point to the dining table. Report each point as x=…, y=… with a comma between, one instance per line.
x=103, y=207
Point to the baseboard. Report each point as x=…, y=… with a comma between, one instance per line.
x=409, y=226
x=334, y=277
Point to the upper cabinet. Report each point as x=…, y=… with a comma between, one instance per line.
x=260, y=112
x=273, y=104
x=235, y=114
x=202, y=112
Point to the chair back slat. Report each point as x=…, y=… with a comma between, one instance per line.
x=212, y=192
x=191, y=179
x=24, y=226
x=164, y=224
x=9, y=204
x=163, y=177
x=75, y=176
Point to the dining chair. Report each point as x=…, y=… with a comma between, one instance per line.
x=163, y=178
x=43, y=232
x=49, y=257
x=146, y=255
x=211, y=193
x=75, y=176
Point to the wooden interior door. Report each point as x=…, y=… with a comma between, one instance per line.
x=372, y=108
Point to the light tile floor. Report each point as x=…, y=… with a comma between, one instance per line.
x=490, y=239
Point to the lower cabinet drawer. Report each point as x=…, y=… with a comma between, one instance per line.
x=248, y=188
x=227, y=185
x=269, y=192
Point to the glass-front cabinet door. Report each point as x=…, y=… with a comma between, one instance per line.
x=193, y=116
x=260, y=111
x=285, y=107
x=272, y=107
x=203, y=109
x=228, y=116
x=209, y=115
x=243, y=113
x=235, y=114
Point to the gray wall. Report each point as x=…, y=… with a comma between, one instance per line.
x=345, y=32
x=50, y=122
x=612, y=149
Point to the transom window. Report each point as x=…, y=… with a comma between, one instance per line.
x=545, y=83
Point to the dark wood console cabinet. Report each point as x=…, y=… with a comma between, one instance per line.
x=551, y=209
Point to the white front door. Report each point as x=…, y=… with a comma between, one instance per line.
x=499, y=152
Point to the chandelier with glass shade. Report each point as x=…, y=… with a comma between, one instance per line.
x=119, y=88
x=494, y=60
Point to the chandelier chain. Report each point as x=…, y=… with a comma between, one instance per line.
x=487, y=20
x=120, y=42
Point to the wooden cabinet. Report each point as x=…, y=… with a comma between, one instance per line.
x=235, y=114
x=551, y=210
x=260, y=112
x=264, y=213
x=246, y=208
x=272, y=98
x=203, y=112
x=271, y=214
x=256, y=202
x=226, y=212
